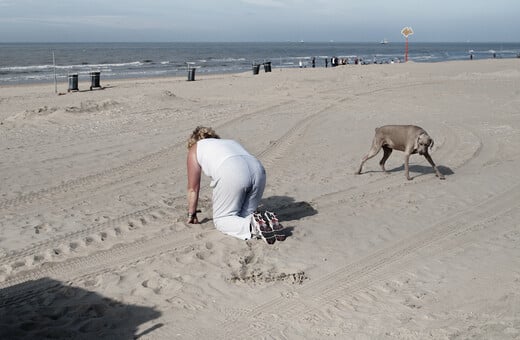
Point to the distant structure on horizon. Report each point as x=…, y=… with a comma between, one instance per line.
x=384, y=41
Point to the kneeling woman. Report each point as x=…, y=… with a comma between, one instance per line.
x=238, y=182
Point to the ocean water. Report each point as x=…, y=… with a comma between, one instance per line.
x=33, y=62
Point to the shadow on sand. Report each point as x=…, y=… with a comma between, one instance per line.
x=423, y=170
x=420, y=169
x=50, y=309
x=287, y=210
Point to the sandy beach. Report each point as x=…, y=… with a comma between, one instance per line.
x=94, y=243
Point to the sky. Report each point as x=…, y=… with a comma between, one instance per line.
x=258, y=20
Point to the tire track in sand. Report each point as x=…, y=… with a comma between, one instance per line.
x=23, y=259
x=121, y=254
x=448, y=234
x=459, y=138
x=142, y=165
x=280, y=146
x=28, y=285
x=52, y=250
x=375, y=267
x=269, y=155
x=98, y=262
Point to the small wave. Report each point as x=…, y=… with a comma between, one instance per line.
x=228, y=60
x=25, y=68
x=36, y=68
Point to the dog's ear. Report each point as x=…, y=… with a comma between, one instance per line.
x=416, y=144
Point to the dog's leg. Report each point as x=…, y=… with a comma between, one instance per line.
x=406, y=167
x=371, y=153
x=387, y=151
x=430, y=160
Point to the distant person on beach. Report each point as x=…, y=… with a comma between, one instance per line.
x=313, y=62
x=326, y=62
x=238, y=182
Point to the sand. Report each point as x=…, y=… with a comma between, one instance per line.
x=93, y=239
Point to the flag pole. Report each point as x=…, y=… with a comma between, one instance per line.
x=55, y=80
x=406, y=31
x=406, y=51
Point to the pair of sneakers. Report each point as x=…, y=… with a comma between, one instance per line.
x=269, y=229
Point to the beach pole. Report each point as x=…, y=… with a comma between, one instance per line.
x=406, y=31
x=55, y=79
x=406, y=51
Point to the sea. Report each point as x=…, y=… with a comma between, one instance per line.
x=22, y=63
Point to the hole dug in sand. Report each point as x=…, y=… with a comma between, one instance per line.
x=259, y=277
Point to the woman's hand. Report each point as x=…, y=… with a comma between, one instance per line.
x=192, y=218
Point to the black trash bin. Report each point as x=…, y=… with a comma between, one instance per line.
x=191, y=74
x=95, y=79
x=73, y=82
x=267, y=66
x=256, y=68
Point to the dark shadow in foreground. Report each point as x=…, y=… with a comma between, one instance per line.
x=49, y=309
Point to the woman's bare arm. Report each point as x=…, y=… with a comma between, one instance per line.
x=194, y=173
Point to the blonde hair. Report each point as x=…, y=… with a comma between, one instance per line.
x=201, y=132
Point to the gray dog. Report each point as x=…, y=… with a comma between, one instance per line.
x=410, y=139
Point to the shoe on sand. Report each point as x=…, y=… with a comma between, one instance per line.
x=275, y=225
x=261, y=229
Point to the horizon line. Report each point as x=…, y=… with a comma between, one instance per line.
x=249, y=42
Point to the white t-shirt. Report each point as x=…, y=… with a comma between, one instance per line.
x=212, y=152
